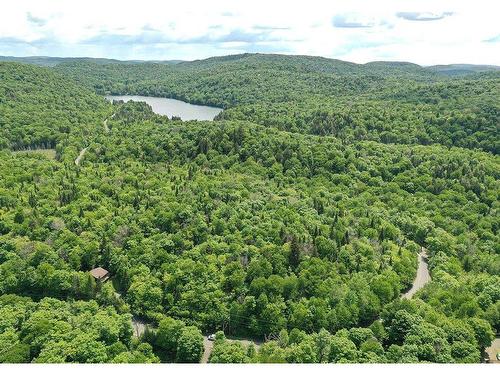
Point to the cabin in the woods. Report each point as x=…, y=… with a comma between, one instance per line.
x=100, y=274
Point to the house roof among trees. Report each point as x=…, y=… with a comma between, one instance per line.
x=99, y=272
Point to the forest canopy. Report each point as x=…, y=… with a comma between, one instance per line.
x=293, y=220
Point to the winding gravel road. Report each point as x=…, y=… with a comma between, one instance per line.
x=423, y=276
x=80, y=156
x=82, y=153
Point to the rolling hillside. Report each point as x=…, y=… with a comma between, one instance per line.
x=294, y=220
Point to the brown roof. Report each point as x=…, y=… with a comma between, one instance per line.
x=99, y=272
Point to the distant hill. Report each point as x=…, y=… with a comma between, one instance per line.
x=446, y=104
x=230, y=80
x=301, y=63
x=53, y=61
x=298, y=63
x=39, y=108
x=35, y=60
x=398, y=68
x=443, y=70
x=462, y=69
x=246, y=79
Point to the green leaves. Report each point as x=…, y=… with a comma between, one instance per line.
x=189, y=345
x=289, y=213
x=53, y=331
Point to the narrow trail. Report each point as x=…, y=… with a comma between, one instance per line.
x=139, y=326
x=207, y=349
x=80, y=156
x=493, y=351
x=82, y=153
x=422, y=278
x=105, y=123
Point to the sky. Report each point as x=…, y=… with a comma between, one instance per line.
x=424, y=32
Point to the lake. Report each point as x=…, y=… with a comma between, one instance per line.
x=173, y=107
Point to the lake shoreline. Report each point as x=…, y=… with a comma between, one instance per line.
x=172, y=107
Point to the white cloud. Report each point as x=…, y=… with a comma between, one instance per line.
x=421, y=31
x=423, y=16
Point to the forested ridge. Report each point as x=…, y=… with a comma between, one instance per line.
x=382, y=101
x=294, y=219
x=39, y=109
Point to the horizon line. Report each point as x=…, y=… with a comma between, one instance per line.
x=242, y=54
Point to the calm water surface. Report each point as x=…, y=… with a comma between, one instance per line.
x=173, y=107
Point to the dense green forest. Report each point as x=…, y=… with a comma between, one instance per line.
x=293, y=220
x=385, y=102
x=39, y=109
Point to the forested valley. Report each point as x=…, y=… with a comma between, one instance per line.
x=294, y=220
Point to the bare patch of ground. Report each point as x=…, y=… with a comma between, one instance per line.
x=49, y=153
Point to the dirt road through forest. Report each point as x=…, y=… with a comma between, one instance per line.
x=423, y=275
x=80, y=156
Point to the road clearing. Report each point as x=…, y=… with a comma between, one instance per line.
x=422, y=278
x=80, y=156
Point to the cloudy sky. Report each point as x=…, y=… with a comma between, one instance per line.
x=425, y=32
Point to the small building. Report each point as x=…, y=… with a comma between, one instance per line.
x=100, y=274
